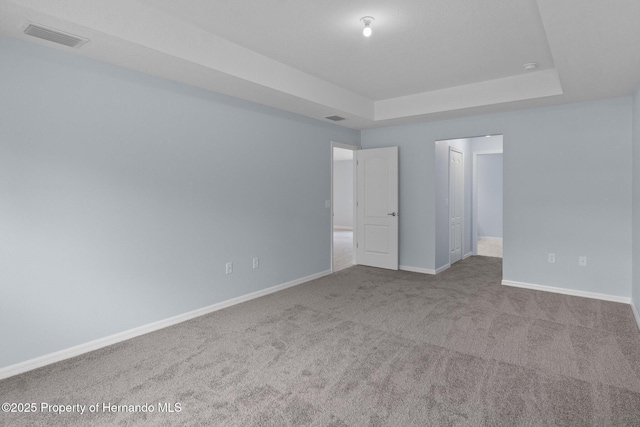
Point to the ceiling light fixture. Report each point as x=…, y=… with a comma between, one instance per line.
x=529, y=66
x=367, y=20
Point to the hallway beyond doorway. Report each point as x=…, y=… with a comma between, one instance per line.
x=342, y=249
x=490, y=247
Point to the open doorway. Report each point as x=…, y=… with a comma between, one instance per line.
x=343, y=206
x=487, y=202
x=457, y=229
x=456, y=204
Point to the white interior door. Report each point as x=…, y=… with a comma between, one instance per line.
x=456, y=205
x=377, y=207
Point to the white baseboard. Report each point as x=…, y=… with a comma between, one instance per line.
x=636, y=314
x=495, y=239
x=565, y=291
x=424, y=270
x=416, y=269
x=443, y=268
x=343, y=227
x=467, y=255
x=68, y=353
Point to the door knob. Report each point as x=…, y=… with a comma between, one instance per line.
x=392, y=214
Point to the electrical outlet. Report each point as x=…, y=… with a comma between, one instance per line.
x=229, y=267
x=552, y=258
x=256, y=263
x=582, y=261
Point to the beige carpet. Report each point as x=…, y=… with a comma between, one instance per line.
x=365, y=347
x=342, y=249
x=490, y=248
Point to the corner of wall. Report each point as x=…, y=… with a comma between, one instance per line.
x=635, y=205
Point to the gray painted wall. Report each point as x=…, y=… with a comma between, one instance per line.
x=489, y=195
x=567, y=190
x=123, y=195
x=636, y=201
x=441, y=210
x=343, y=193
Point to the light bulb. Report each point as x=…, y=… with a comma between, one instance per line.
x=367, y=20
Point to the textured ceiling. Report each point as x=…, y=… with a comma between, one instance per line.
x=425, y=60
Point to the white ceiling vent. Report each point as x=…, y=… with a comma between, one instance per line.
x=55, y=36
x=335, y=118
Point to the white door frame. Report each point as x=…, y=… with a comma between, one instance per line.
x=451, y=204
x=352, y=148
x=474, y=198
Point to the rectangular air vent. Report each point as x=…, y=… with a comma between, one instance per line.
x=335, y=118
x=54, y=35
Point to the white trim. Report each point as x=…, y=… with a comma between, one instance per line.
x=424, y=270
x=636, y=314
x=351, y=147
x=565, y=291
x=416, y=269
x=78, y=350
x=467, y=255
x=443, y=268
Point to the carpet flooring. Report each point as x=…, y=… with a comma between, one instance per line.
x=364, y=347
x=490, y=248
x=342, y=249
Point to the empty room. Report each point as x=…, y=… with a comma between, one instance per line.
x=292, y=213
